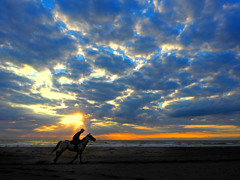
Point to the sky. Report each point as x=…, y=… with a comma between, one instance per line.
x=120, y=69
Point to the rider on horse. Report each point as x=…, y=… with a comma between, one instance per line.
x=76, y=139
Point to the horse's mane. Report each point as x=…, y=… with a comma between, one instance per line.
x=83, y=139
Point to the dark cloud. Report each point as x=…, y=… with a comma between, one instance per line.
x=236, y=70
x=130, y=109
x=200, y=33
x=30, y=35
x=101, y=91
x=199, y=91
x=78, y=68
x=205, y=107
x=10, y=81
x=156, y=74
x=206, y=63
x=102, y=20
x=144, y=45
x=215, y=30
x=224, y=81
x=158, y=29
x=21, y=119
x=112, y=63
x=92, y=11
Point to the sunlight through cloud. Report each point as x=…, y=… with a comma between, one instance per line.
x=75, y=120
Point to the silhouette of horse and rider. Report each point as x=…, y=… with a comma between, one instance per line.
x=75, y=145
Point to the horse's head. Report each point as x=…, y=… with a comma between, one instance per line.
x=91, y=137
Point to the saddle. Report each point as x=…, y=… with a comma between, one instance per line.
x=74, y=142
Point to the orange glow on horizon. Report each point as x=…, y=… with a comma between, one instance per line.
x=211, y=126
x=131, y=136
x=186, y=135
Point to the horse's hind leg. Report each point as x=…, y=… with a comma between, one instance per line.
x=58, y=153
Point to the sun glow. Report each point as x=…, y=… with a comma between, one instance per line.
x=75, y=120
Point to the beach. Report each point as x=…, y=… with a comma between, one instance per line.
x=122, y=163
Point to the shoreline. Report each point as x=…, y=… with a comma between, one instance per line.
x=122, y=143
x=122, y=163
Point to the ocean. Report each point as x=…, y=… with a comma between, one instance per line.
x=123, y=143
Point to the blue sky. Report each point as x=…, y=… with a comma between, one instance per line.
x=139, y=69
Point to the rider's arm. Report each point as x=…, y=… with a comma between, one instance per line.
x=76, y=136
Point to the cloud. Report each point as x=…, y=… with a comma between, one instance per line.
x=99, y=21
x=31, y=36
x=90, y=11
x=206, y=107
x=145, y=67
x=10, y=81
x=213, y=30
x=114, y=64
x=143, y=45
x=156, y=74
x=101, y=91
x=132, y=108
x=78, y=68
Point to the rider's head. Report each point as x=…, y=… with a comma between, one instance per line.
x=82, y=130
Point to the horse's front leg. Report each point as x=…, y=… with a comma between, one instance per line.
x=74, y=158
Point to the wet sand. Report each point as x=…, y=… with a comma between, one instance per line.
x=160, y=163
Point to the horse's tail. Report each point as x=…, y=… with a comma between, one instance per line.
x=56, y=146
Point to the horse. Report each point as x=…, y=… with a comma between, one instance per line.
x=63, y=145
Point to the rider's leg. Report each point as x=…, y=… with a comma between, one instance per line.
x=75, y=147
